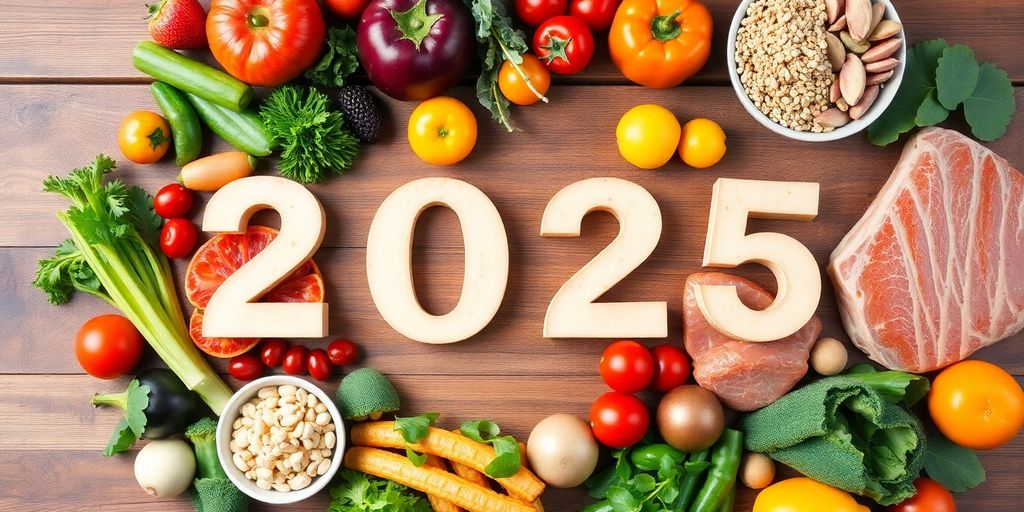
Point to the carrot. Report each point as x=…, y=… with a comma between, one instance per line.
x=467, y=473
x=381, y=434
x=438, y=503
x=210, y=173
x=432, y=481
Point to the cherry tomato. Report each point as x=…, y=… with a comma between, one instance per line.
x=295, y=360
x=342, y=352
x=177, y=238
x=272, y=352
x=564, y=44
x=172, y=201
x=671, y=368
x=348, y=9
x=442, y=131
x=535, y=12
x=977, y=405
x=245, y=367
x=930, y=497
x=144, y=137
x=597, y=14
x=319, y=364
x=619, y=419
x=108, y=346
x=627, y=366
x=518, y=89
x=702, y=143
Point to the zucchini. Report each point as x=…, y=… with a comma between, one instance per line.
x=243, y=130
x=186, y=131
x=191, y=76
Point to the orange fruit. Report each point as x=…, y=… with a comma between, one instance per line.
x=220, y=257
x=977, y=404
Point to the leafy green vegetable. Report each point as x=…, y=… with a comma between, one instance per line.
x=315, y=145
x=893, y=386
x=113, y=254
x=133, y=402
x=507, y=458
x=938, y=78
x=340, y=59
x=359, y=492
x=413, y=429
x=955, y=467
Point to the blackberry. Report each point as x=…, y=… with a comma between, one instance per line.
x=362, y=114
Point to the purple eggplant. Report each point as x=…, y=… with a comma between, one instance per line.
x=415, y=49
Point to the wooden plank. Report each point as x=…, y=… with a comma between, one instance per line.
x=91, y=40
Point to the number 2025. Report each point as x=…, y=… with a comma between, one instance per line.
x=573, y=311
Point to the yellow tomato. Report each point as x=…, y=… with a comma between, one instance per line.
x=702, y=144
x=516, y=89
x=144, y=137
x=977, y=405
x=805, y=495
x=442, y=131
x=648, y=136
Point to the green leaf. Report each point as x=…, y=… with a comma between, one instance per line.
x=988, y=109
x=622, y=500
x=134, y=411
x=121, y=440
x=499, y=41
x=931, y=112
x=340, y=59
x=507, y=459
x=415, y=428
x=644, y=482
x=417, y=459
x=955, y=467
x=481, y=431
x=358, y=492
x=918, y=81
x=599, y=483
x=956, y=75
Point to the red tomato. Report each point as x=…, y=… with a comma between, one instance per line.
x=265, y=42
x=597, y=14
x=342, y=352
x=108, y=346
x=671, y=368
x=627, y=366
x=245, y=367
x=172, y=201
x=564, y=44
x=272, y=352
x=619, y=419
x=177, y=238
x=319, y=364
x=347, y=9
x=930, y=497
x=295, y=360
x=535, y=12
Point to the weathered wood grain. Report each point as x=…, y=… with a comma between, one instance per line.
x=92, y=40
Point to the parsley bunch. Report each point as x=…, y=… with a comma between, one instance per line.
x=340, y=59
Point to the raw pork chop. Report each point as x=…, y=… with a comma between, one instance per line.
x=745, y=376
x=935, y=268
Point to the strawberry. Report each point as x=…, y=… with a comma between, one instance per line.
x=178, y=24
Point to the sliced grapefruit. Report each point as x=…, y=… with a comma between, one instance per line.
x=220, y=257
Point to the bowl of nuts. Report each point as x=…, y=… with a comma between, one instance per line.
x=280, y=439
x=816, y=70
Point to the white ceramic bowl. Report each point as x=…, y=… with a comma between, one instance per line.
x=231, y=412
x=885, y=96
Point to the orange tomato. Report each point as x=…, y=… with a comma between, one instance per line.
x=514, y=87
x=977, y=405
x=660, y=43
x=144, y=137
x=442, y=131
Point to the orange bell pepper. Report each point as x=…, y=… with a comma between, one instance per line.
x=660, y=43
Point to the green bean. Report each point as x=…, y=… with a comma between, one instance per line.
x=725, y=464
x=688, y=486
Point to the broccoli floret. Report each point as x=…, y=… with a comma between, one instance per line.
x=213, y=491
x=365, y=393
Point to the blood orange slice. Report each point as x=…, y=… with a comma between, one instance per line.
x=220, y=257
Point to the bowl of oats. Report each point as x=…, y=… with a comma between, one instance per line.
x=816, y=70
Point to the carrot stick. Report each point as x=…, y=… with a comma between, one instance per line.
x=432, y=481
x=381, y=434
x=438, y=503
x=467, y=473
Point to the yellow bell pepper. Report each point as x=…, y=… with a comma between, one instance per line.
x=805, y=495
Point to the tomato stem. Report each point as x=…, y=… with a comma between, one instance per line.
x=665, y=28
x=257, y=20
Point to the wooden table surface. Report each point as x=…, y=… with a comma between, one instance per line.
x=66, y=80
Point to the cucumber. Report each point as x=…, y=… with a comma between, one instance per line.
x=243, y=130
x=186, y=131
x=191, y=76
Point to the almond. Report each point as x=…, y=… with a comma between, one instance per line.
x=833, y=9
x=853, y=45
x=885, y=30
x=840, y=24
x=881, y=66
x=852, y=79
x=834, y=94
x=879, y=78
x=870, y=95
x=877, y=11
x=832, y=118
x=835, y=51
x=858, y=18
x=882, y=50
